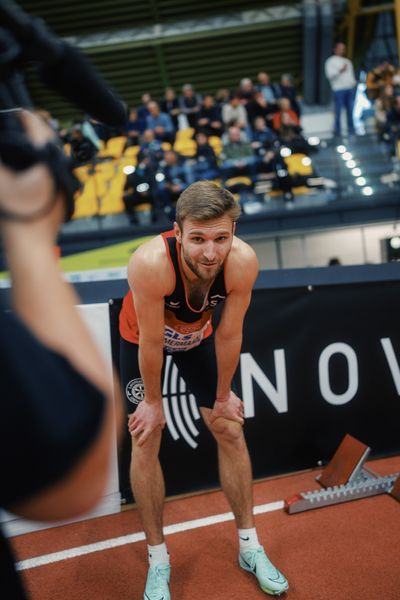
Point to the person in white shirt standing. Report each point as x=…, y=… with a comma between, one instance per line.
x=340, y=73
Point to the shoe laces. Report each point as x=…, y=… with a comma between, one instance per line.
x=264, y=565
x=159, y=578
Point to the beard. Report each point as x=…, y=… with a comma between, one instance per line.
x=206, y=274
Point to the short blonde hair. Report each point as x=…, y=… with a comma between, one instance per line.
x=204, y=201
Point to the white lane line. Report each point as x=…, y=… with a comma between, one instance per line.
x=46, y=559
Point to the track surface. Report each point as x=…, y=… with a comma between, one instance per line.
x=349, y=551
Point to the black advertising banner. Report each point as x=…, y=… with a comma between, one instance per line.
x=316, y=363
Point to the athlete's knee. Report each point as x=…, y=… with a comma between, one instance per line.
x=227, y=431
x=149, y=450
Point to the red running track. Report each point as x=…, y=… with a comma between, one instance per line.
x=349, y=551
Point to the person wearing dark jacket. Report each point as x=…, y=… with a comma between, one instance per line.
x=57, y=417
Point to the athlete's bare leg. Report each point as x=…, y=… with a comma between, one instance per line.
x=148, y=486
x=234, y=467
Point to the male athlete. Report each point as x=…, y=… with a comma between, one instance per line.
x=176, y=280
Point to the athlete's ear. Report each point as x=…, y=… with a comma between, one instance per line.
x=234, y=228
x=177, y=232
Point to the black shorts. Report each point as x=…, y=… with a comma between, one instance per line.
x=197, y=373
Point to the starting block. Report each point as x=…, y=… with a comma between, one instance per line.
x=345, y=478
x=395, y=491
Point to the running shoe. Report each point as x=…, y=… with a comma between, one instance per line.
x=270, y=579
x=157, y=584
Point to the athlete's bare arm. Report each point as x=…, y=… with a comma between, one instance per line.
x=150, y=279
x=240, y=274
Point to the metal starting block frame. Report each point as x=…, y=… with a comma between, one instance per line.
x=345, y=478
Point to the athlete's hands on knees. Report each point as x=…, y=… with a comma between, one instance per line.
x=230, y=407
x=146, y=418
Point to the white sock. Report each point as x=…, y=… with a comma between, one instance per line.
x=248, y=539
x=158, y=555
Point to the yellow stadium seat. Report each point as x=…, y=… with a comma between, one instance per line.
x=106, y=169
x=301, y=189
x=86, y=202
x=112, y=202
x=82, y=173
x=238, y=180
x=185, y=147
x=295, y=164
x=114, y=147
x=131, y=151
x=215, y=143
x=127, y=160
x=184, y=134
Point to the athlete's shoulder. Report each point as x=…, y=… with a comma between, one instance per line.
x=242, y=265
x=149, y=267
x=242, y=254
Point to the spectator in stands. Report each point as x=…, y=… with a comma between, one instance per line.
x=204, y=165
x=161, y=123
x=237, y=156
x=340, y=73
x=135, y=127
x=140, y=189
x=143, y=110
x=234, y=113
x=396, y=82
x=173, y=176
x=210, y=119
x=246, y=90
x=286, y=89
x=259, y=107
x=377, y=79
x=170, y=105
x=190, y=104
x=263, y=137
x=383, y=105
x=268, y=89
x=285, y=108
x=222, y=97
x=290, y=135
x=265, y=145
x=393, y=122
x=84, y=147
x=151, y=148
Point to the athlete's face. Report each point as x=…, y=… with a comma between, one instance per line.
x=205, y=246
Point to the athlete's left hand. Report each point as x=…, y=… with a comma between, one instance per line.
x=147, y=418
x=230, y=407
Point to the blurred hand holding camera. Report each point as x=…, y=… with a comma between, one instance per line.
x=29, y=197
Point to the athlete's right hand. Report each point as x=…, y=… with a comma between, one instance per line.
x=146, y=418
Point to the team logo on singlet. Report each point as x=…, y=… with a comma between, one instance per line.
x=172, y=304
x=178, y=341
x=215, y=299
x=135, y=390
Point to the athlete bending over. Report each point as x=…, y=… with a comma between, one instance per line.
x=176, y=280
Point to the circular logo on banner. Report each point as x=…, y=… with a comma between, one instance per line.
x=135, y=391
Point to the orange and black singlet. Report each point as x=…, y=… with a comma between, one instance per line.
x=185, y=327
